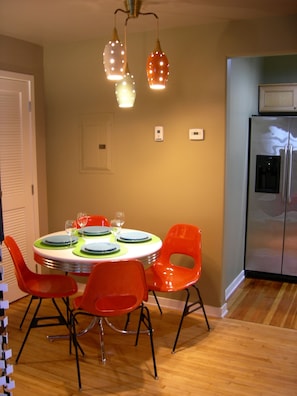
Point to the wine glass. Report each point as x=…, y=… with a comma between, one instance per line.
x=70, y=228
x=114, y=224
x=120, y=217
x=82, y=220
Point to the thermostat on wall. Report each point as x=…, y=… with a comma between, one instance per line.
x=196, y=134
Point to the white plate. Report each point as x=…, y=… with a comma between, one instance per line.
x=100, y=248
x=134, y=236
x=59, y=240
x=94, y=230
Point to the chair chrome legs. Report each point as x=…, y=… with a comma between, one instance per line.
x=101, y=335
x=144, y=318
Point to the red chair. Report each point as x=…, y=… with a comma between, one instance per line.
x=93, y=220
x=164, y=276
x=113, y=289
x=96, y=220
x=40, y=286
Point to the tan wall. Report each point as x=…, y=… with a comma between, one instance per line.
x=157, y=184
x=23, y=57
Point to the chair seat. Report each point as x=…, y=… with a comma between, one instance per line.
x=51, y=286
x=169, y=278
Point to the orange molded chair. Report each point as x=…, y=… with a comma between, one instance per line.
x=113, y=289
x=96, y=220
x=93, y=220
x=40, y=286
x=164, y=276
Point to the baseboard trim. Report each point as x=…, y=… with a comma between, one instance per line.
x=217, y=312
x=234, y=285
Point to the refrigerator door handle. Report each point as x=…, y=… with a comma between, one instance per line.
x=284, y=173
x=290, y=173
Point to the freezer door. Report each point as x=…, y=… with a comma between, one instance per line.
x=266, y=198
x=289, y=266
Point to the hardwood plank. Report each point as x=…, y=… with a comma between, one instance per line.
x=267, y=302
x=234, y=358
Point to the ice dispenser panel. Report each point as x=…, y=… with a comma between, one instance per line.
x=267, y=173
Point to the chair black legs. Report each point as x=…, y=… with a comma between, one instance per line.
x=58, y=320
x=145, y=318
x=73, y=339
x=188, y=309
x=157, y=301
x=27, y=310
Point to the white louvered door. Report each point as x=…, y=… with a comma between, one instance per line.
x=18, y=171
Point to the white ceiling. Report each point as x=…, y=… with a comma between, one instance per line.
x=54, y=21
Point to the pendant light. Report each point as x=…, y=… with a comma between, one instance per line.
x=125, y=90
x=157, y=68
x=114, y=58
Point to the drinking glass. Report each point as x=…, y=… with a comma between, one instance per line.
x=82, y=220
x=120, y=217
x=114, y=225
x=70, y=228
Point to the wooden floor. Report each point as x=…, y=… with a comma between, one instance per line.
x=237, y=357
x=266, y=302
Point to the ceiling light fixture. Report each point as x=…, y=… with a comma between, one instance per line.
x=116, y=63
x=114, y=58
x=125, y=90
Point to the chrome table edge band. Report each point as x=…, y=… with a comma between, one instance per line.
x=83, y=267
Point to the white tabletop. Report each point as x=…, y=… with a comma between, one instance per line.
x=68, y=259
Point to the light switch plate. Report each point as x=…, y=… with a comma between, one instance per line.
x=196, y=134
x=159, y=134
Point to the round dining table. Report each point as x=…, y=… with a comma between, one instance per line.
x=55, y=251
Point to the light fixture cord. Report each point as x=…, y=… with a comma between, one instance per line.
x=125, y=45
x=157, y=19
x=139, y=13
x=126, y=24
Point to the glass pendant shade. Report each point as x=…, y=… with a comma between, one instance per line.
x=157, y=68
x=114, y=58
x=125, y=91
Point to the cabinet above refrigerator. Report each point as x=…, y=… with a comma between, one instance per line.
x=277, y=98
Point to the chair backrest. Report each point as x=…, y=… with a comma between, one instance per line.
x=119, y=287
x=96, y=220
x=22, y=272
x=182, y=239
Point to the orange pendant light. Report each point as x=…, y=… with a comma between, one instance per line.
x=157, y=68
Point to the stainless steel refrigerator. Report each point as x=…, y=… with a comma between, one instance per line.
x=271, y=226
